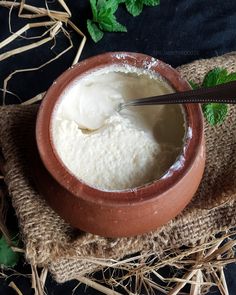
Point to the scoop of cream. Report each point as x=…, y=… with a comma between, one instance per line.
x=91, y=103
x=95, y=98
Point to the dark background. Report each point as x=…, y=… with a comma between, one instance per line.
x=177, y=32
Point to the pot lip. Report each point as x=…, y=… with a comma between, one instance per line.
x=155, y=189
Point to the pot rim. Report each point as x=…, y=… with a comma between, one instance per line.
x=145, y=193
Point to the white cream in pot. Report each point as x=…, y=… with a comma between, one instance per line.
x=130, y=148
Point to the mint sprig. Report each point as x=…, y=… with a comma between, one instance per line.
x=104, y=19
x=215, y=113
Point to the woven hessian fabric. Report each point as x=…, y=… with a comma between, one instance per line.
x=68, y=253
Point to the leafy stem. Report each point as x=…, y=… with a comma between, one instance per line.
x=215, y=113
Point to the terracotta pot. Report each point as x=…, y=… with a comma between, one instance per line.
x=123, y=213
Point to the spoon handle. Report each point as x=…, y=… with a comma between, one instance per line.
x=224, y=93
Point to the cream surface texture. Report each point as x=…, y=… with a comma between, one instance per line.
x=110, y=150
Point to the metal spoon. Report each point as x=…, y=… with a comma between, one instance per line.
x=224, y=93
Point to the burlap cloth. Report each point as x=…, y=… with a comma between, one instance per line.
x=50, y=242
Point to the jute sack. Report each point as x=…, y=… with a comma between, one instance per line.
x=69, y=253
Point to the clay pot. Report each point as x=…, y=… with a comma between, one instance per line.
x=128, y=212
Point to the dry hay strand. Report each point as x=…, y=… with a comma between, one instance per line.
x=15, y=288
x=36, y=12
x=38, y=281
x=13, y=94
x=21, y=16
x=55, y=28
x=96, y=286
x=202, y=266
x=58, y=22
x=12, y=274
x=9, y=77
x=34, y=99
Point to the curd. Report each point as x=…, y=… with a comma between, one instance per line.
x=110, y=150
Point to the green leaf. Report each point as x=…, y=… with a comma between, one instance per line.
x=215, y=77
x=110, y=24
x=100, y=4
x=193, y=84
x=215, y=113
x=134, y=7
x=231, y=77
x=104, y=18
x=94, y=9
x=218, y=76
x=151, y=2
x=94, y=31
x=111, y=5
x=8, y=257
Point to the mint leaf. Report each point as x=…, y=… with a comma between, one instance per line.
x=151, y=2
x=111, y=5
x=134, y=7
x=215, y=77
x=94, y=31
x=215, y=113
x=100, y=3
x=230, y=77
x=8, y=257
x=94, y=9
x=110, y=24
